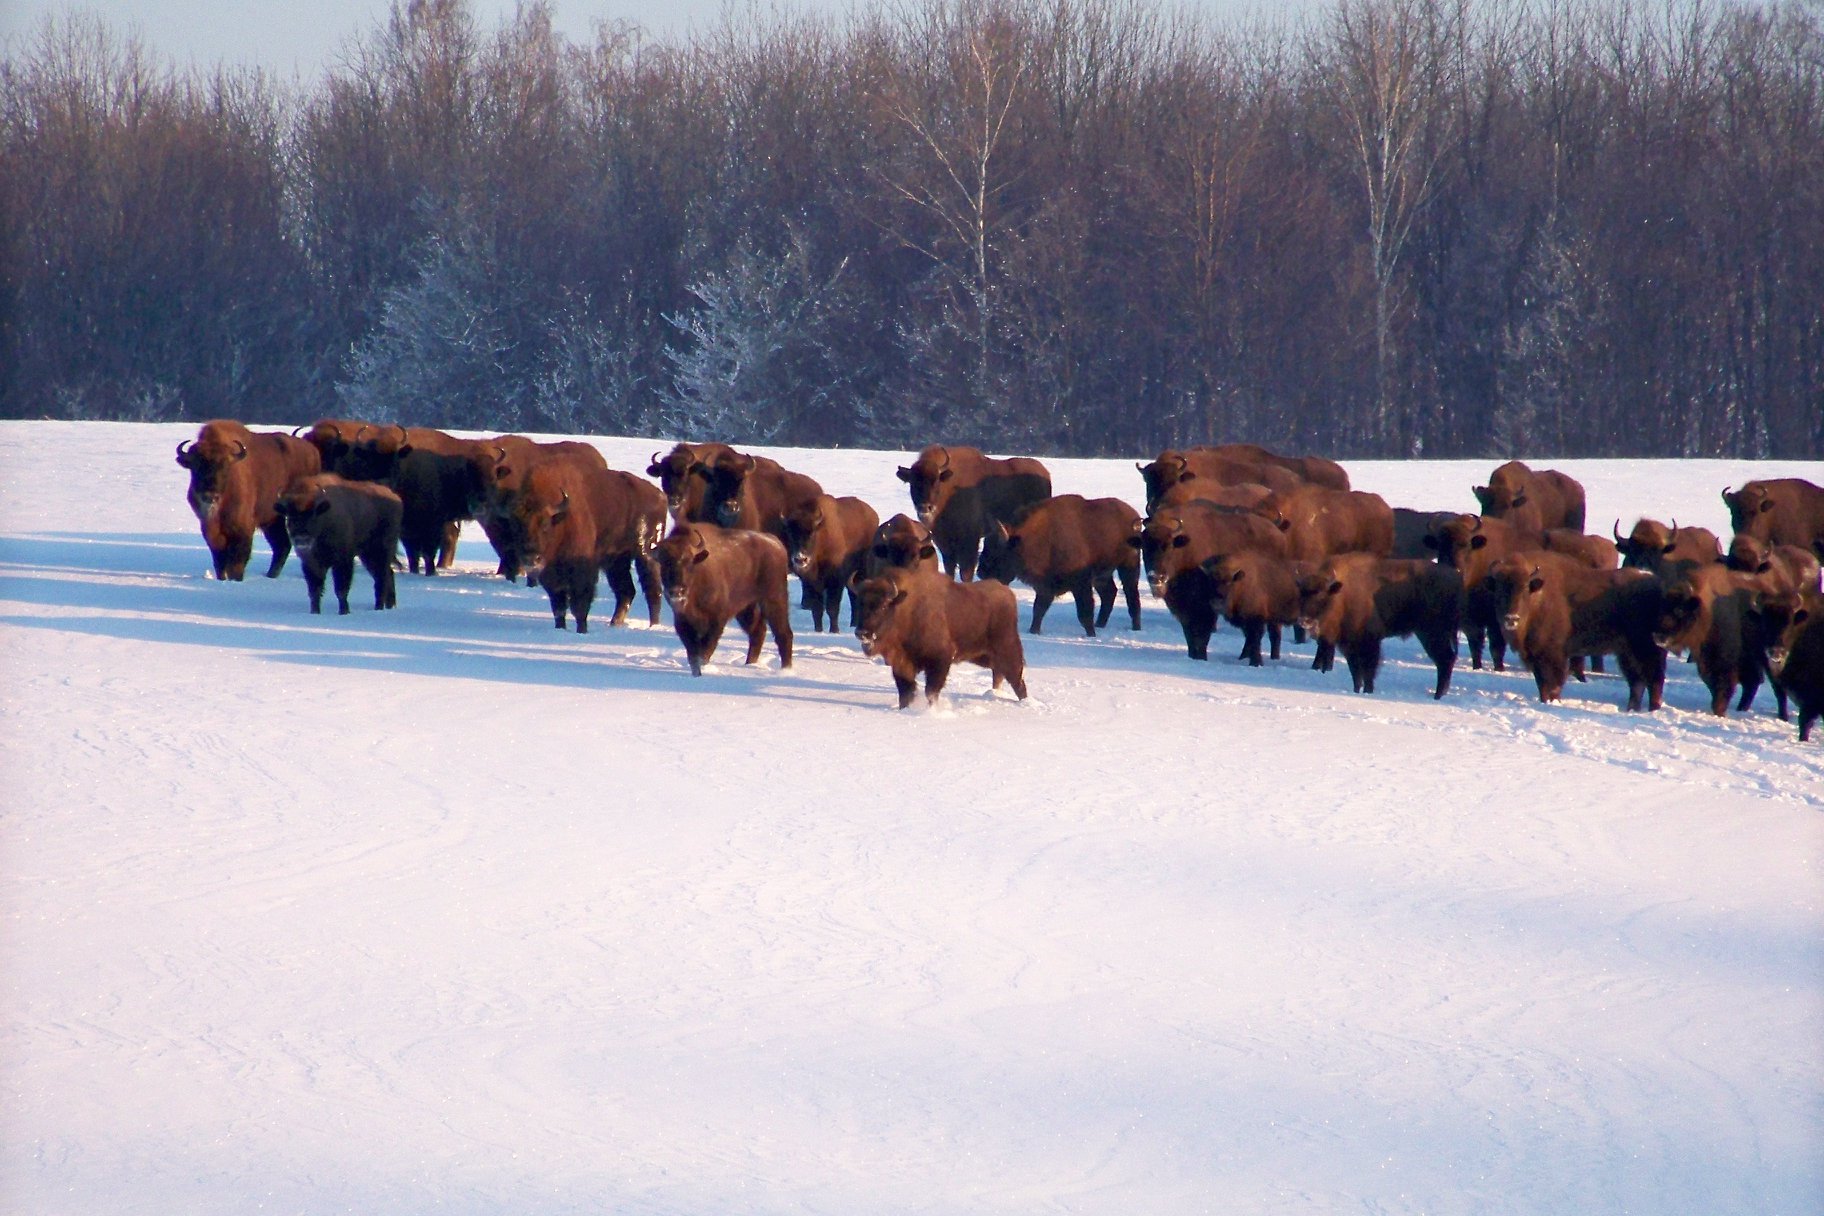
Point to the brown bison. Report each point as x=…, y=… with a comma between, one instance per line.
x=713, y=575
x=681, y=474
x=580, y=522
x=236, y=477
x=1075, y=544
x=901, y=542
x=827, y=540
x=1532, y=500
x=1472, y=544
x=1241, y=497
x=496, y=474
x=1320, y=523
x=1782, y=511
x=1653, y=545
x=1317, y=470
x=1185, y=472
x=918, y=621
x=1258, y=594
x=960, y=493
x=1596, y=552
x=754, y=492
x=1712, y=613
x=1778, y=566
x=332, y=524
x=1174, y=545
x=1797, y=660
x=1553, y=607
x=1355, y=601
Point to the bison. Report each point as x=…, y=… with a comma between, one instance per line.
x=1357, y=600
x=1075, y=544
x=1654, y=546
x=754, y=492
x=828, y=540
x=1711, y=612
x=918, y=621
x=1596, y=552
x=712, y=575
x=1247, y=494
x=1178, y=473
x=1258, y=594
x=496, y=475
x=1777, y=566
x=1553, y=607
x=1175, y=544
x=679, y=475
x=1320, y=523
x=581, y=522
x=1798, y=661
x=903, y=542
x=332, y=524
x=1532, y=500
x=959, y=494
x=1781, y=511
x=236, y=477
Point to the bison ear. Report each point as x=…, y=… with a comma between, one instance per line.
x=320, y=506
x=882, y=552
x=1478, y=541
x=701, y=555
x=405, y=449
x=903, y=473
x=1535, y=584
x=700, y=469
x=1137, y=541
x=927, y=550
x=1519, y=500
x=1282, y=523
x=1235, y=576
x=1668, y=546
x=1185, y=476
x=1800, y=616
x=1763, y=568
x=502, y=472
x=1180, y=541
x=1766, y=506
x=1335, y=586
x=899, y=597
x=946, y=475
x=1431, y=542
x=1481, y=493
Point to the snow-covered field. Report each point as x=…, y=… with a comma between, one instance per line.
x=443, y=910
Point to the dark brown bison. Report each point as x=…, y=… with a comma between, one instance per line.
x=1320, y=523
x=1258, y=594
x=960, y=493
x=1355, y=601
x=713, y=575
x=398, y=455
x=236, y=477
x=1532, y=500
x=1781, y=511
x=1778, y=566
x=1653, y=545
x=918, y=621
x=1073, y=544
x=1712, y=613
x=1175, y=473
x=755, y=492
x=1413, y=532
x=1798, y=661
x=496, y=474
x=580, y=522
x=1472, y=544
x=1553, y=607
x=902, y=542
x=1174, y=544
x=681, y=474
x=332, y=524
x=827, y=540
x=334, y=439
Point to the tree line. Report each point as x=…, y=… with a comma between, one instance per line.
x=1091, y=227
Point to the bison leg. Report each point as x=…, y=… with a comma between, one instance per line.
x=1016, y=676
x=1199, y=622
x=905, y=681
x=240, y=552
x=313, y=586
x=1105, y=591
x=582, y=595
x=1807, y=715
x=936, y=676
x=446, y=549
x=648, y=570
x=381, y=571
x=1364, y=660
x=1550, y=673
x=1041, y=604
x=620, y=581
x=1130, y=590
x=343, y=572
x=1251, y=629
x=1083, y=592
x=1273, y=636
x=832, y=605
x=1475, y=636
x=560, y=601
x=279, y=540
x=1442, y=649
x=777, y=613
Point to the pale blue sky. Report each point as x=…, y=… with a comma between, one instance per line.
x=303, y=36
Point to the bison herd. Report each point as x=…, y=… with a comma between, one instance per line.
x=1235, y=531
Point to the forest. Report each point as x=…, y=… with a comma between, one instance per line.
x=1388, y=228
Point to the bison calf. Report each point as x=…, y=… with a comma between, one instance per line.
x=712, y=575
x=1797, y=660
x=1258, y=594
x=332, y=523
x=1358, y=600
x=918, y=621
x=1070, y=543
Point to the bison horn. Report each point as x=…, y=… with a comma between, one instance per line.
x=359, y=431
x=502, y=453
x=1478, y=526
x=1675, y=525
x=295, y=430
x=946, y=452
x=242, y=454
x=183, y=448
x=655, y=458
x=403, y=435
x=1617, y=531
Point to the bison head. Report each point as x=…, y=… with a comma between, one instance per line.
x=211, y=459
x=802, y=527
x=1003, y=554
x=726, y=498
x=1158, y=537
x=1168, y=469
x=675, y=471
x=678, y=557
x=881, y=601
x=1518, y=589
x=932, y=479
x=903, y=541
x=1749, y=554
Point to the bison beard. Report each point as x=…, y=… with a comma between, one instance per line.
x=712, y=575
x=920, y=621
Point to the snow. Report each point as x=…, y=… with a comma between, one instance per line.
x=442, y=909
